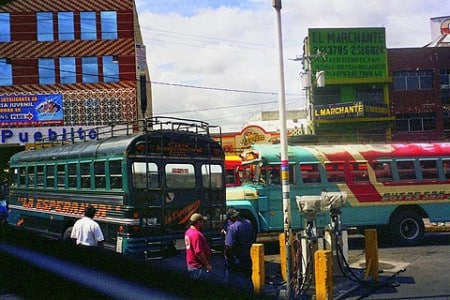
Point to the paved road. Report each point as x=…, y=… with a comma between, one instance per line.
x=426, y=272
x=426, y=275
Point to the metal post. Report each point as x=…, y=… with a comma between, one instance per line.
x=284, y=158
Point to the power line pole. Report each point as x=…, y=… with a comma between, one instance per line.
x=284, y=157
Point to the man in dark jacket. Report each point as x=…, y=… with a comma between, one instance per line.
x=239, y=238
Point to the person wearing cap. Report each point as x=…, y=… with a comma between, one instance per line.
x=239, y=238
x=198, y=252
x=86, y=231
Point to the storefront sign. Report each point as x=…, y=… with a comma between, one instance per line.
x=349, y=110
x=51, y=134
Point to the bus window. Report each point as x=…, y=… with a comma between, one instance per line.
x=273, y=175
x=22, y=176
x=99, y=173
x=335, y=172
x=382, y=169
x=446, y=166
x=429, y=169
x=31, y=176
x=40, y=176
x=61, y=176
x=310, y=173
x=145, y=175
x=85, y=171
x=406, y=170
x=50, y=178
x=72, y=170
x=358, y=171
x=115, y=174
x=216, y=176
x=180, y=176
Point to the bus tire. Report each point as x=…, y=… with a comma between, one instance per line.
x=406, y=227
x=66, y=235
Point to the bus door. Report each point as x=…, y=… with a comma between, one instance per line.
x=181, y=196
x=212, y=192
x=149, y=193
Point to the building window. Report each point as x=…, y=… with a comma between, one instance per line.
x=66, y=29
x=89, y=68
x=445, y=86
x=46, y=71
x=5, y=28
x=444, y=77
x=412, y=80
x=88, y=26
x=415, y=122
x=110, y=69
x=370, y=94
x=5, y=72
x=108, y=21
x=67, y=70
x=326, y=95
x=44, y=26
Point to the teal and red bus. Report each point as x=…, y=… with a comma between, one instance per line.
x=394, y=186
x=145, y=179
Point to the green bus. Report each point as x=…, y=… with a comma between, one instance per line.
x=145, y=180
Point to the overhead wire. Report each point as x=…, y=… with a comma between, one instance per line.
x=208, y=40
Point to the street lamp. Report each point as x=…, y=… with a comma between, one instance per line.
x=284, y=157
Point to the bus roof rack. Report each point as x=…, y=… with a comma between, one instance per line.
x=113, y=129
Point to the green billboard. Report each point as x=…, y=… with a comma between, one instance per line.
x=349, y=53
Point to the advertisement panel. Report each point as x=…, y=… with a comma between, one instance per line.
x=349, y=52
x=31, y=110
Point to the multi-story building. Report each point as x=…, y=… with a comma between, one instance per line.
x=351, y=101
x=70, y=63
x=376, y=94
x=420, y=93
x=67, y=66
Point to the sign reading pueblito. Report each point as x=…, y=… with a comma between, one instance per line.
x=349, y=52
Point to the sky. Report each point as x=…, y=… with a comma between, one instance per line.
x=218, y=60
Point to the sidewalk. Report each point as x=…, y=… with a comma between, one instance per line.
x=342, y=285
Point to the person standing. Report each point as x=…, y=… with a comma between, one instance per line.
x=4, y=191
x=198, y=252
x=238, y=240
x=86, y=231
x=3, y=211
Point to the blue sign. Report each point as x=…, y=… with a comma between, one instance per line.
x=31, y=110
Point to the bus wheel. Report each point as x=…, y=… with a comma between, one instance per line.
x=406, y=228
x=66, y=235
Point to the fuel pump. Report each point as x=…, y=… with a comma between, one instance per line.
x=322, y=221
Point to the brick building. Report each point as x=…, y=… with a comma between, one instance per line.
x=87, y=58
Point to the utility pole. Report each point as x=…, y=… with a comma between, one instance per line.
x=284, y=157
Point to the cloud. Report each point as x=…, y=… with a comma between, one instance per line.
x=233, y=46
